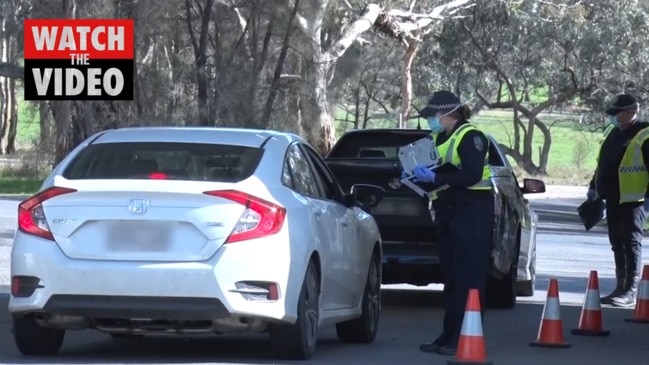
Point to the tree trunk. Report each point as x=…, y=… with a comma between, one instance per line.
x=12, y=117
x=44, y=120
x=62, y=109
x=294, y=100
x=274, y=85
x=317, y=122
x=200, y=58
x=406, y=83
x=4, y=85
x=357, y=104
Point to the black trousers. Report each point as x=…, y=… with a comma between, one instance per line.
x=625, y=231
x=465, y=232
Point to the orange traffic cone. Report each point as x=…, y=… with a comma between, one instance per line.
x=551, y=329
x=471, y=348
x=641, y=312
x=590, y=322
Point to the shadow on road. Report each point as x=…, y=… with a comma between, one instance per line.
x=408, y=318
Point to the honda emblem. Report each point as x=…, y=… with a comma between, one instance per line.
x=138, y=206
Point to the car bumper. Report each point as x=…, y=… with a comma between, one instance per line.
x=207, y=290
x=418, y=264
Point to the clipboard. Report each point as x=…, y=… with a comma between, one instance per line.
x=444, y=168
x=591, y=212
x=420, y=152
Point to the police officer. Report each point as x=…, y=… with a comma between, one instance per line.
x=464, y=210
x=621, y=179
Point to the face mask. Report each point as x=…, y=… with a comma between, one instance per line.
x=435, y=125
x=612, y=119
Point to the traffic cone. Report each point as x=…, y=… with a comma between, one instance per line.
x=471, y=348
x=551, y=328
x=590, y=322
x=641, y=312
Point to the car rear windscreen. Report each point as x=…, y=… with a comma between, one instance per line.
x=373, y=144
x=174, y=161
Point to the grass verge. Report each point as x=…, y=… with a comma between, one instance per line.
x=15, y=186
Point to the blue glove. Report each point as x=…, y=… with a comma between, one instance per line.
x=591, y=194
x=423, y=174
x=646, y=205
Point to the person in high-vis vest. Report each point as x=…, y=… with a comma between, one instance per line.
x=621, y=178
x=464, y=211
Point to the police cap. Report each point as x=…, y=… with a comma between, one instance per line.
x=621, y=103
x=440, y=101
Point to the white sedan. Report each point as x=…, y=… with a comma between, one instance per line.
x=168, y=230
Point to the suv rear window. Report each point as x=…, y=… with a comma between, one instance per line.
x=373, y=144
x=176, y=161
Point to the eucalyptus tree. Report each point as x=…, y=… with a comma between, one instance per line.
x=571, y=51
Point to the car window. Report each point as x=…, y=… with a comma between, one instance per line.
x=287, y=177
x=494, y=156
x=329, y=184
x=303, y=180
x=157, y=160
x=378, y=152
x=374, y=144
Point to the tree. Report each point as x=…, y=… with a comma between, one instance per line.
x=321, y=52
x=557, y=48
x=12, y=12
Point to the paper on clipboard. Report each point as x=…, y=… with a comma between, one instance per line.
x=421, y=152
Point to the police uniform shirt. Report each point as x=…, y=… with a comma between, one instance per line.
x=610, y=157
x=472, y=150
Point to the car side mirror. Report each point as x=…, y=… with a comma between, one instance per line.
x=533, y=186
x=366, y=196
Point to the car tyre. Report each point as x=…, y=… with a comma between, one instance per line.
x=298, y=341
x=364, y=328
x=32, y=339
x=501, y=294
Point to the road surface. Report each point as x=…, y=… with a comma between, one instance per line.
x=410, y=316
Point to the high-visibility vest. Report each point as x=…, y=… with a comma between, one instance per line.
x=633, y=176
x=449, y=152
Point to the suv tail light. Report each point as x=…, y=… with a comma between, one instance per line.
x=31, y=217
x=259, y=219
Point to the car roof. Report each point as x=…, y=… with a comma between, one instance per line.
x=239, y=136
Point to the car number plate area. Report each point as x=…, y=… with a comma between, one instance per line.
x=139, y=236
x=399, y=207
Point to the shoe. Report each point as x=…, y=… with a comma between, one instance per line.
x=434, y=345
x=447, y=350
x=627, y=298
x=430, y=347
x=620, y=275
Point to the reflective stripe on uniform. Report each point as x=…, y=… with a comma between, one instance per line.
x=448, y=157
x=632, y=172
x=633, y=176
x=448, y=150
x=638, y=161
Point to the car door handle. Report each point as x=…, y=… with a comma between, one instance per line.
x=318, y=213
x=344, y=223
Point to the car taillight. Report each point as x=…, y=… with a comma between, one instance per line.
x=158, y=176
x=259, y=219
x=31, y=217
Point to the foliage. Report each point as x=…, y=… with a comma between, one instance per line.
x=260, y=65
